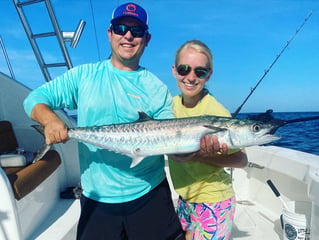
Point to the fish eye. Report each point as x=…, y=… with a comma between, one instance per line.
x=256, y=127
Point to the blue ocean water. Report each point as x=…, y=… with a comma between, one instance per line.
x=302, y=136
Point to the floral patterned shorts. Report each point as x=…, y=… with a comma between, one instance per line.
x=211, y=221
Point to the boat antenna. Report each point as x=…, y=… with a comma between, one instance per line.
x=273, y=63
x=94, y=26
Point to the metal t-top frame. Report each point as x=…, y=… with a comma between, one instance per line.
x=61, y=37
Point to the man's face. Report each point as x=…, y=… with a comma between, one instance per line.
x=127, y=48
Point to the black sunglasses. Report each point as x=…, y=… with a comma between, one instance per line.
x=185, y=69
x=121, y=29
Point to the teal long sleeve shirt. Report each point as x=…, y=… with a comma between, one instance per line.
x=103, y=94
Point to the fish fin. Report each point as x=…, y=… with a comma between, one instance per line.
x=215, y=129
x=136, y=161
x=142, y=116
x=41, y=152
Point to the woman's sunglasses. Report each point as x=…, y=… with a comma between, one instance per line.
x=185, y=69
x=121, y=29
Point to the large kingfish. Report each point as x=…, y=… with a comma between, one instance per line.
x=149, y=137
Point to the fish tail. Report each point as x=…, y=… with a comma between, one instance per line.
x=45, y=148
x=39, y=128
x=136, y=161
x=41, y=152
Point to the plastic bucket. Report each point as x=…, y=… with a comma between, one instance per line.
x=294, y=226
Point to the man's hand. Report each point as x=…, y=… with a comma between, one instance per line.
x=55, y=131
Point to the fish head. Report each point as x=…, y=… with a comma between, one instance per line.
x=250, y=133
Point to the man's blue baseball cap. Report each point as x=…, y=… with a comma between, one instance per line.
x=130, y=10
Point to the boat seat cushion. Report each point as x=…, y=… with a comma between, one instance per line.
x=25, y=179
x=12, y=160
x=8, y=141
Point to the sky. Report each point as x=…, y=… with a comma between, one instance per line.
x=245, y=37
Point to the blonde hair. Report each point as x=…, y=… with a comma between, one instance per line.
x=200, y=47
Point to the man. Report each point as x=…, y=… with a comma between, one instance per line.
x=118, y=202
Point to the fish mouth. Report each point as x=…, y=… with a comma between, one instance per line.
x=267, y=137
x=272, y=137
x=268, y=132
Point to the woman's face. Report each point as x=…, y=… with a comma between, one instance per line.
x=190, y=72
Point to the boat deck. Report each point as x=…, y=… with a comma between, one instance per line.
x=58, y=226
x=255, y=222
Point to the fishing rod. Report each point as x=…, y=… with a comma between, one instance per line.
x=273, y=63
x=280, y=122
x=301, y=119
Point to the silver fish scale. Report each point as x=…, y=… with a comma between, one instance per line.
x=168, y=136
x=153, y=137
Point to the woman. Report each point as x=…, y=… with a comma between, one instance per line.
x=206, y=202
